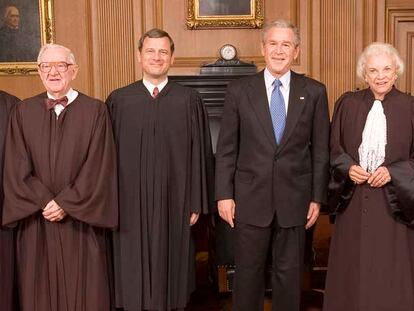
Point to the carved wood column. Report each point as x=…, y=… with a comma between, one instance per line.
x=113, y=52
x=338, y=42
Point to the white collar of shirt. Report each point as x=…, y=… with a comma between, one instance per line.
x=71, y=95
x=284, y=88
x=150, y=87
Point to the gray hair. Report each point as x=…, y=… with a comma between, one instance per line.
x=7, y=10
x=375, y=49
x=280, y=23
x=71, y=56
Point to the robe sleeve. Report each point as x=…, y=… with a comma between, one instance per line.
x=24, y=193
x=7, y=102
x=340, y=188
x=400, y=191
x=340, y=160
x=93, y=197
x=202, y=161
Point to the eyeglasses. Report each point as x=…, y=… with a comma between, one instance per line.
x=59, y=66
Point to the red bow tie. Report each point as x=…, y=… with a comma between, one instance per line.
x=51, y=103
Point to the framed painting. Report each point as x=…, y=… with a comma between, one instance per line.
x=205, y=14
x=25, y=26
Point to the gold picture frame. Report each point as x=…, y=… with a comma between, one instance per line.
x=38, y=15
x=207, y=14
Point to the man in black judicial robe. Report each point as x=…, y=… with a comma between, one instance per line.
x=7, y=276
x=60, y=192
x=164, y=163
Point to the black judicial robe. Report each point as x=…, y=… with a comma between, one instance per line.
x=61, y=266
x=7, y=290
x=165, y=168
x=371, y=262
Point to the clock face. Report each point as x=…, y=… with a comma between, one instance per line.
x=228, y=52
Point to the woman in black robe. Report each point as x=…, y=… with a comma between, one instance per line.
x=372, y=157
x=7, y=276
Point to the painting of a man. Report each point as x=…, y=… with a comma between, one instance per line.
x=224, y=7
x=19, y=32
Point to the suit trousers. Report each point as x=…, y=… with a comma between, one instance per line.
x=251, y=248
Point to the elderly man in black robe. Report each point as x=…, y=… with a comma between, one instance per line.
x=164, y=160
x=60, y=191
x=7, y=276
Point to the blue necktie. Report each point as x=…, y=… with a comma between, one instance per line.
x=278, y=111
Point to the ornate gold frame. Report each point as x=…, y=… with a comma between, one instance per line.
x=47, y=35
x=254, y=20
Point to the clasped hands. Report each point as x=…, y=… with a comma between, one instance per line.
x=379, y=178
x=53, y=212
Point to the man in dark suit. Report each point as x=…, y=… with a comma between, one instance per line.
x=272, y=170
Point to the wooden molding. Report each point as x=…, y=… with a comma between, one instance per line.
x=399, y=32
x=395, y=15
x=199, y=61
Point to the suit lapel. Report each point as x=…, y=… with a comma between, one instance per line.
x=297, y=101
x=260, y=104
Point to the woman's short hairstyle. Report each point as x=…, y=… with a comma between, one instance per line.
x=280, y=23
x=71, y=56
x=375, y=49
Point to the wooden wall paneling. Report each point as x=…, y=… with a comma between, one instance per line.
x=90, y=51
x=195, y=47
x=113, y=45
x=138, y=30
x=21, y=86
x=403, y=42
x=399, y=32
x=152, y=14
x=338, y=46
x=72, y=30
x=302, y=18
x=369, y=21
x=147, y=14
x=314, y=30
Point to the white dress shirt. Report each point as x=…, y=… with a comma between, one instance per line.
x=284, y=89
x=71, y=95
x=150, y=87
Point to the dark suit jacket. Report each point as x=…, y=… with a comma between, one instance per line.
x=261, y=176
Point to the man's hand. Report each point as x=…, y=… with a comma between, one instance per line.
x=53, y=212
x=358, y=175
x=194, y=218
x=380, y=177
x=226, y=210
x=313, y=214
